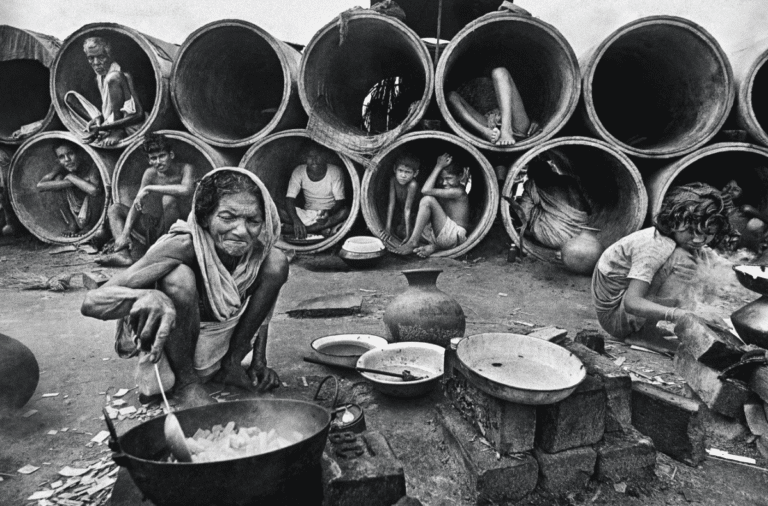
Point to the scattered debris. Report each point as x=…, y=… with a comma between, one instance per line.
x=304, y=381
x=714, y=452
x=29, y=413
x=71, y=472
x=28, y=469
x=525, y=324
x=100, y=437
x=42, y=494
x=620, y=487
x=122, y=392
x=55, y=394
x=640, y=348
x=52, y=432
x=620, y=361
x=503, y=294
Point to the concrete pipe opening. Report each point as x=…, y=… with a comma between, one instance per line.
x=186, y=148
x=427, y=146
x=233, y=84
x=25, y=99
x=658, y=87
x=539, y=59
x=147, y=60
x=751, y=98
x=43, y=213
x=610, y=184
x=375, y=85
x=273, y=159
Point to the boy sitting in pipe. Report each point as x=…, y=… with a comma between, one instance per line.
x=750, y=225
x=80, y=183
x=121, y=112
x=322, y=186
x=642, y=278
x=402, y=192
x=165, y=195
x=443, y=215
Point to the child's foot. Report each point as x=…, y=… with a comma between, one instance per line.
x=505, y=138
x=114, y=137
x=72, y=233
x=425, y=251
x=405, y=249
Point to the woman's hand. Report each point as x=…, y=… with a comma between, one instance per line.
x=153, y=318
x=267, y=377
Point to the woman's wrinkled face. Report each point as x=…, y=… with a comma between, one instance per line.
x=236, y=223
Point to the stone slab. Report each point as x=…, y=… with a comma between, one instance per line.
x=712, y=347
x=758, y=383
x=338, y=304
x=578, y=420
x=625, y=456
x=564, y=472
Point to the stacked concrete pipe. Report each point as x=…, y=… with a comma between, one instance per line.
x=187, y=148
x=751, y=74
x=540, y=60
x=38, y=211
x=612, y=184
x=273, y=159
x=427, y=146
x=233, y=84
x=10, y=224
x=25, y=61
x=148, y=60
x=336, y=77
x=658, y=87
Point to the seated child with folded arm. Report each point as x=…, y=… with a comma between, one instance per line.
x=403, y=188
x=443, y=215
x=638, y=279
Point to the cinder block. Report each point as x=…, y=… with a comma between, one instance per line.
x=508, y=426
x=726, y=397
x=492, y=480
x=568, y=471
x=578, y=420
x=759, y=382
x=361, y=469
x=674, y=423
x=592, y=339
x=617, y=383
x=625, y=456
x=93, y=280
x=712, y=348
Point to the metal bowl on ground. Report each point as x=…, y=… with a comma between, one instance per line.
x=345, y=349
x=753, y=277
x=519, y=368
x=362, y=252
x=421, y=359
x=265, y=479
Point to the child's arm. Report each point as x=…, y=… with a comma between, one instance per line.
x=413, y=188
x=50, y=182
x=87, y=186
x=122, y=241
x=391, y=206
x=429, y=185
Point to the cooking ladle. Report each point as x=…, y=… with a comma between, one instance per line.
x=172, y=428
x=406, y=375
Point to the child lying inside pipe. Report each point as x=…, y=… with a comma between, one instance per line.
x=165, y=195
x=443, y=215
x=322, y=186
x=639, y=279
x=749, y=225
x=78, y=179
x=403, y=188
x=493, y=108
x=121, y=113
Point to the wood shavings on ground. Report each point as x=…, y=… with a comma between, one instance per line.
x=29, y=413
x=90, y=486
x=714, y=452
x=28, y=469
x=54, y=394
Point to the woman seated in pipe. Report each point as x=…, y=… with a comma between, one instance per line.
x=493, y=108
x=203, y=295
x=646, y=277
x=79, y=181
x=121, y=113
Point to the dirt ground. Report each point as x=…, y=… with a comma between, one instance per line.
x=77, y=361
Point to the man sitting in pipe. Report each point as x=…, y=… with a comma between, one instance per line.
x=80, y=183
x=443, y=216
x=121, y=113
x=164, y=197
x=203, y=295
x=322, y=186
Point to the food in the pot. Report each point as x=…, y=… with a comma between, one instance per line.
x=228, y=442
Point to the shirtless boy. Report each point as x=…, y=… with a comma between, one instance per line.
x=121, y=113
x=322, y=186
x=402, y=192
x=164, y=196
x=81, y=184
x=443, y=215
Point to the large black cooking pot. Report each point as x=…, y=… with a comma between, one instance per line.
x=264, y=479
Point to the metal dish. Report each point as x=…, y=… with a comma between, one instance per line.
x=362, y=252
x=519, y=368
x=753, y=277
x=347, y=348
x=421, y=359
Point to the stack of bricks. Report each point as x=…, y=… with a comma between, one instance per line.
x=559, y=447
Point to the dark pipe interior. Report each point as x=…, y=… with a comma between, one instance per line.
x=339, y=78
x=760, y=96
x=43, y=208
x=659, y=86
x=74, y=73
x=226, y=81
x=427, y=151
x=24, y=94
x=538, y=65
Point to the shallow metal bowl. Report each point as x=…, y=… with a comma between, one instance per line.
x=421, y=359
x=753, y=277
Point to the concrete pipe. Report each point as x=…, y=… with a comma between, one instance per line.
x=25, y=100
x=9, y=224
x=427, y=146
x=751, y=73
x=539, y=59
x=338, y=82
x=233, y=84
x=715, y=165
x=146, y=59
x=133, y=162
x=658, y=87
x=41, y=212
x=610, y=182
x=273, y=159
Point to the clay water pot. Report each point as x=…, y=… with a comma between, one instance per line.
x=423, y=312
x=19, y=374
x=581, y=253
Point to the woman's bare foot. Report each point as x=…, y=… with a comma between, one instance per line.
x=235, y=376
x=425, y=251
